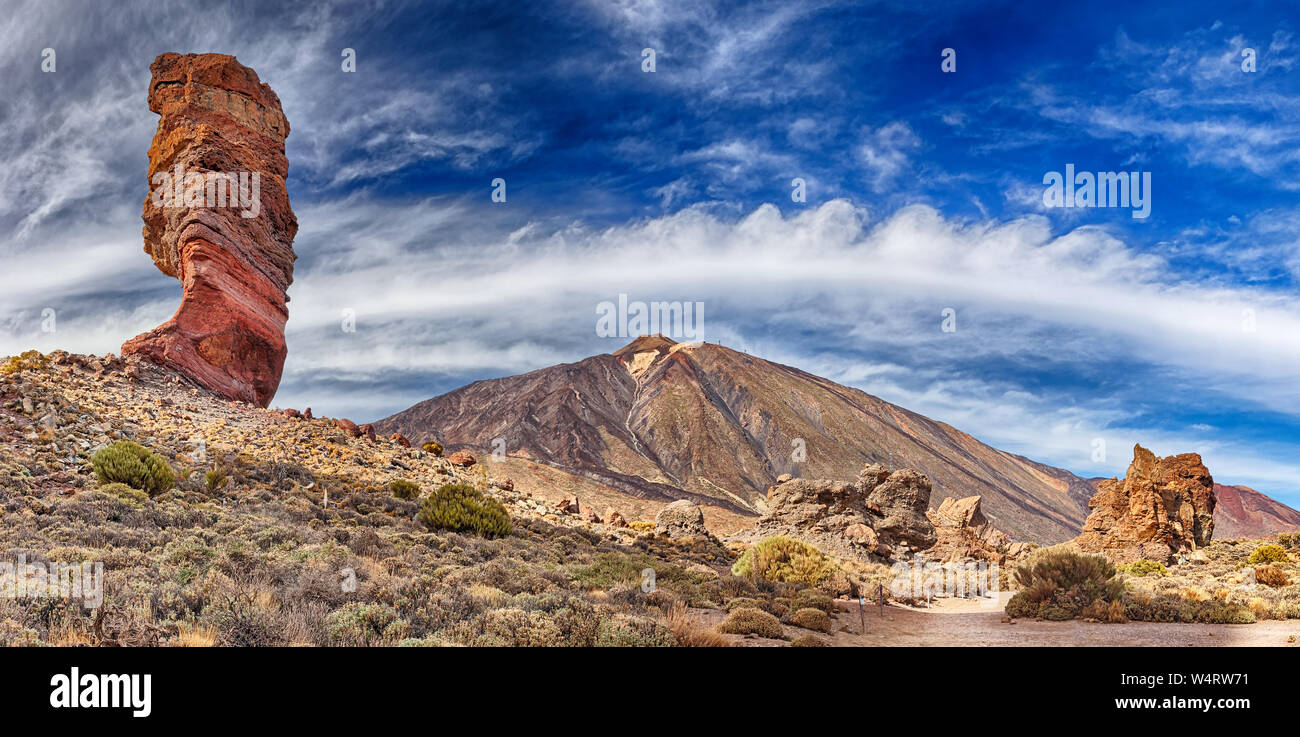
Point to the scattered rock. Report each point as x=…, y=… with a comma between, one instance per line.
x=401, y=440
x=681, y=519
x=462, y=458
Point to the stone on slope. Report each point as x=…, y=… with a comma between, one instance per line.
x=218, y=219
x=681, y=519
x=1162, y=507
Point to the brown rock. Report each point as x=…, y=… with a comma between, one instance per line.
x=369, y=431
x=306, y=414
x=221, y=132
x=568, y=505
x=349, y=427
x=880, y=511
x=292, y=414
x=1162, y=507
x=860, y=534
x=401, y=440
x=964, y=533
x=614, y=519
x=681, y=519
x=462, y=458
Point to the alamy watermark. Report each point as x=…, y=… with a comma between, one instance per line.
x=1102, y=189
x=681, y=320
x=82, y=582
x=179, y=188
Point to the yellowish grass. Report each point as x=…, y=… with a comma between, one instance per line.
x=195, y=635
x=689, y=632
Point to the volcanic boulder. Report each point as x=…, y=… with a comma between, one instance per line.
x=218, y=219
x=1162, y=507
x=965, y=533
x=880, y=508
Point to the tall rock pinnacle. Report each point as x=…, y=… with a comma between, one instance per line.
x=217, y=217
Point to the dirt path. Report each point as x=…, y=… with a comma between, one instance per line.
x=961, y=622
x=969, y=623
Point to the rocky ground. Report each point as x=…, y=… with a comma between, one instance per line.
x=264, y=556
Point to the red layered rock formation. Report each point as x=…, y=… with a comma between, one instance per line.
x=218, y=218
x=1162, y=506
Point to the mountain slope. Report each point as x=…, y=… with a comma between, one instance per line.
x=663, y=420
x=1243, y=512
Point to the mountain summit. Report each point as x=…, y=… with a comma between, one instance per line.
x=663, y=420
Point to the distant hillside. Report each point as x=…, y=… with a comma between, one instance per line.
x=662, y=420
x=1244, y=512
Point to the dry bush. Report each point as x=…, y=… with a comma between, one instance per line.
x=689, y=632
x=1271, y=576
x=749, y=621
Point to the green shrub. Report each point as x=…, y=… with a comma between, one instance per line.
x=1059, y=584
x=127, y=463
x=359, y=624
x=634, y=632
x=1268, y=554
x=741, y=602
x=403, y=489
x=808, y=641
x=1288, y=540
x=750, y=621
x=215, y=479
x=24, y=361
x=1139, y=568
x=134, y=497
x=785, y=560
x=462, y=508
x=813, y=599
x=1170, y=608
x=811, y=619
x=433, y=447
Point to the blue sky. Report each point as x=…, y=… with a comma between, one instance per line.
x=924, y=193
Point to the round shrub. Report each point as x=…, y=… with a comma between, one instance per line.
x=433, y=446
x=461, y=507
x=131, y=496
x=811, y=619
x=127, y=463
x=403, y=489
x=1059, y=584
x=1139, y=568
x=1271, y=576
x=785, y=560
x=750, y=621
x=1268, y=554
x=813, y=599
x=808, y=641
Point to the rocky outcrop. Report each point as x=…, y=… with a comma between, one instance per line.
x=882, y=513
x=218, y=219
x=681, y=519
x=964, y=533
x=1162, y=507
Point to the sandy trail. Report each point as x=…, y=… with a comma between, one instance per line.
x=971, y=623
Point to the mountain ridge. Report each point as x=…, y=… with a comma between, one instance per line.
x=661, y=420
